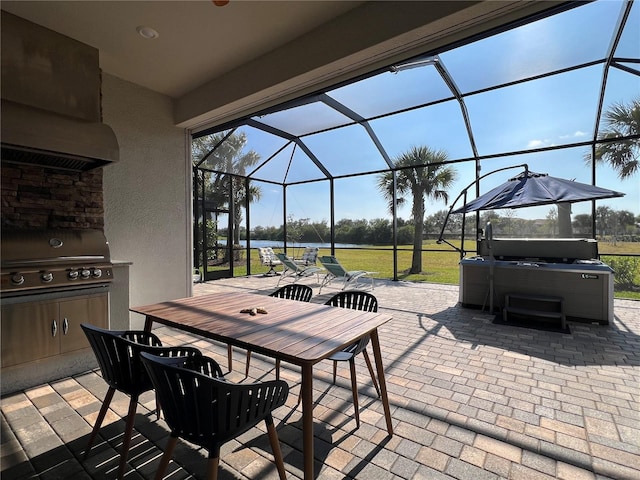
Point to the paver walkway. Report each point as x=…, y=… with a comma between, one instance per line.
x=469, y=400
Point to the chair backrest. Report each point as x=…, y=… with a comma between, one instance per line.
x=287, y=262
x=266, y=255
x=310, y=255
x=294, y=291
x=207, y=410
x=354, y=299
x=118, y=355
x=333, y=266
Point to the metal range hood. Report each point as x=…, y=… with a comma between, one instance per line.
x=40, y=137
x=51, y=113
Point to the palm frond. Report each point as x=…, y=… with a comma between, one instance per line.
x=621, y=121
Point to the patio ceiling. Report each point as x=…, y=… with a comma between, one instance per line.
x=472, y=100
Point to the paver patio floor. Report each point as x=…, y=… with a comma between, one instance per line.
x=469, y=400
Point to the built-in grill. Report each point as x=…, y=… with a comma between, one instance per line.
x=35, y=262
x=51, y=282
x=566, y=268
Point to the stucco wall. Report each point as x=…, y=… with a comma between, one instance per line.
x=147, y=211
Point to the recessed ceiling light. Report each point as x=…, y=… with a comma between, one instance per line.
x=147, y=32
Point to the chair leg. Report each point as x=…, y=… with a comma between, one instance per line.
x=277, y=369
x=212, y=468
x=246, y=370
x=373, y=376
x=103, y=411
x=158, y=407
x=213, y=463
x=230, y=357
x=335, y=371
x=325, y=281
x=354, y=389
x=126, y=440
x=166, y=457
x=275, y=446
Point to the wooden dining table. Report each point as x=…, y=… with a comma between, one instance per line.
x=300, y=333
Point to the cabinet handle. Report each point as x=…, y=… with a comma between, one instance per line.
x=65, y=326
x=54, y=328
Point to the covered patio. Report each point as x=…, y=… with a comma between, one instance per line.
x=469, y=400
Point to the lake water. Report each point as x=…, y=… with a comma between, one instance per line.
x=277, y=244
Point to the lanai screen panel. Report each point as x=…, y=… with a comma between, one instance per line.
x=289, y=165
x=390, y=92
x=629, y=46
x=548, y=111
x=305, y=119
x=346, y=150
x=309, y=203
x=568, y=39
x=353, y=193
x=268, y=212
x=441, y=127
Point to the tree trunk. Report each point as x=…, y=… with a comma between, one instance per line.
x=564, y=220
x=236, y=232
x=418, y=219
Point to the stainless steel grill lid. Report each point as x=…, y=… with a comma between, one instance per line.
x=24, y=247
x=40, y=260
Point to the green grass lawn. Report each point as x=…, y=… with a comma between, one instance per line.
x=438, y=266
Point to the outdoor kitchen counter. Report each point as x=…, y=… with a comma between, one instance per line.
x=119, y=296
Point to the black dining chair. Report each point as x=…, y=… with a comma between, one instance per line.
x=118, y=355
x=292, y=291
x=208, y=411
x=356, y=300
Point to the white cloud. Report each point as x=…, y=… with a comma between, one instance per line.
x=537, y=143
x=577, y=133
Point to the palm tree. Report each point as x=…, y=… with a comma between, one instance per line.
x=419, y=172
x=621, y=121
x=231, y=163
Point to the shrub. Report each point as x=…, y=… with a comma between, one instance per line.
x=626, y=270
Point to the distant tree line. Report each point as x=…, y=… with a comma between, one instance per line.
x=378, y=231
x=610, y=223
x=621, y=224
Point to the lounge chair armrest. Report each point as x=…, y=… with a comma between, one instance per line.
x=360, y=273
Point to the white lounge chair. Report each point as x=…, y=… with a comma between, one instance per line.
x=269, y=259
x=309, y=256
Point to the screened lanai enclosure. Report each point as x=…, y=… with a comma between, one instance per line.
x=374, y=164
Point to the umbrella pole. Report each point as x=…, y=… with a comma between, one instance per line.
x=491, y=285
x=489, y=236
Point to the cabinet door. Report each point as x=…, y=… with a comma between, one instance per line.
x=73, y=312
x=29, y=332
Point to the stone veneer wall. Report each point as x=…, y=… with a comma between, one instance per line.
x=38, y=198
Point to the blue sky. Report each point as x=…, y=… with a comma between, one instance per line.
x=550, y=111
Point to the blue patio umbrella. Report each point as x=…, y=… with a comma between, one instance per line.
x=530, y=189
